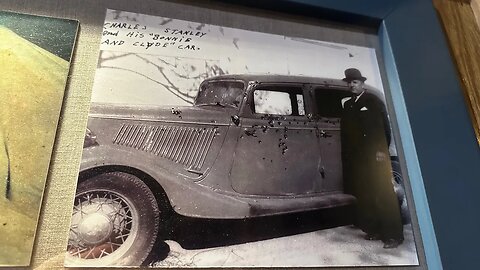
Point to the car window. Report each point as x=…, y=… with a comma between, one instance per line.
x=220, y=93
x=279, y=101
x=271, y=102
x=329, y=101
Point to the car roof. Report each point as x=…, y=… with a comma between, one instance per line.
x=269, y=78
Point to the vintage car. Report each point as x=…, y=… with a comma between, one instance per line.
x=250, y=146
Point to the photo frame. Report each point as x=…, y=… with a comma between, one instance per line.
x=417, y=62
x=259, y=123
x=461, y=23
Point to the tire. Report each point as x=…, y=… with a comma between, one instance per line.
x=399, y=188
x=115, y=222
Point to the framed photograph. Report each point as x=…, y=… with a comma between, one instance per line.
x=212, y=146
x=35, y=55
x=431, y=127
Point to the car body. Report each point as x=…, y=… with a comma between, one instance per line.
x=250, y=146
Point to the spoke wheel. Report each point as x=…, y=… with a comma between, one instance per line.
x=115, y=221
x=102, y=222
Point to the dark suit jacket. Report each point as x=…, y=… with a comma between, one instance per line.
x=365, y=131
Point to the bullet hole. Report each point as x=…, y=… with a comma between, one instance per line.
x=259, y=141
x=285, y=168
x=180, y=116
x=289, y=122
x=324, y=134
x=263, y=158
x=176, y=111
x=235, y=119
x=250, y=133
x=271, y=160
x=4, y=224
x=264, y=129
x=213, y=121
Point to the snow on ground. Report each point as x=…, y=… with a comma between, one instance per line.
x=340, y=246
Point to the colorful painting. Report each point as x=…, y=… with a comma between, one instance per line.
x=35, y=54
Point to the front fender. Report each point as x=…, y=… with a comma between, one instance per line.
x=186, y=197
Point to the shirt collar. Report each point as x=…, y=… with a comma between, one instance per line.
x=357, y=97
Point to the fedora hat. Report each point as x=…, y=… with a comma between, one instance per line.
x=353, y=74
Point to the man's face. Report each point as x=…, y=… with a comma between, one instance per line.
x=356, y=86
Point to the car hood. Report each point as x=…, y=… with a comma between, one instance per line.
x=210, y=115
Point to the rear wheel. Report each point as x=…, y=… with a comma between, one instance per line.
x=115, y=221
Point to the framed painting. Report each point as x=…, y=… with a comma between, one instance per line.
x=35, y=54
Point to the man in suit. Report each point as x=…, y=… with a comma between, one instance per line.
x=365, y=136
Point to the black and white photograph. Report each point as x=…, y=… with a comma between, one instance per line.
x=211, y=146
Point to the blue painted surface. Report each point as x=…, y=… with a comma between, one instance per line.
x=442, y=130
x=372, y=8
x=414, y=171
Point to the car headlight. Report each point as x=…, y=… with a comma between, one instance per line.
x=90, y=139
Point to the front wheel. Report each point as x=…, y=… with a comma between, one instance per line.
x=115, y=222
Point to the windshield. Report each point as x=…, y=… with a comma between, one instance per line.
x=220, y=93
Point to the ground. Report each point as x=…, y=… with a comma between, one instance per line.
x=273, y=243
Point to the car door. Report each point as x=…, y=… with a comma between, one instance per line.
x=277, y=147
x=327, y=105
